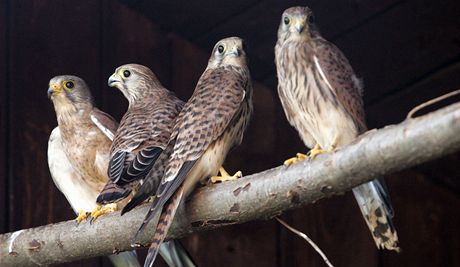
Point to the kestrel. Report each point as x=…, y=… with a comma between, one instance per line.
x=78, y=150
x=210, y=124
x=78, y=157
x=322, y=99
x=143, y=133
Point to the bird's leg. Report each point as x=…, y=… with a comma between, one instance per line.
x=315, y=151
x=102, y=209
x=82, y=215
x=224, y=176
x=298, y=157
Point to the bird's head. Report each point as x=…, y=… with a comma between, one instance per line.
x=297, y=23
x=228, y=51
x=133, y=80
x=69, y=92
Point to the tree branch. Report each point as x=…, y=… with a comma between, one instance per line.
x=254, y=197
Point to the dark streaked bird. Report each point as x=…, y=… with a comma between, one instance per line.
x=143, y=133
x=141, y=145
x=210, y=124
x=322, y=99
x=78, y=149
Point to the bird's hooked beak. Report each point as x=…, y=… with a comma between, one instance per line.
x=114, y=79
x=53, y=90
x=235, y=51
x=299, y=26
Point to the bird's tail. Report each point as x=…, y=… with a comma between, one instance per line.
x=113, y=193
x=175, y=255
x=166, y=218
x=377, y=211
x=125, y=259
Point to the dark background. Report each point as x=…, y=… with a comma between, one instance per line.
x=406, y=51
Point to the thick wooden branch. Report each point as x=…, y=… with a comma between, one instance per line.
x=254, y=197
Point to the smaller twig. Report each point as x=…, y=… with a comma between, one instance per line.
x=431, y=102
x=304, y=236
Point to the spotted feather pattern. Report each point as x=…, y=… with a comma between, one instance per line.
x=210, y=124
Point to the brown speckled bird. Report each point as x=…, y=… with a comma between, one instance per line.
x=143, y=133
x=78, y=149
x=210, y=124
x=322, y=99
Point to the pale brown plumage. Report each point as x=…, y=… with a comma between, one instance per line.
x=210, y=124
x=84, y=144
x=322, y=99
x=78, y=149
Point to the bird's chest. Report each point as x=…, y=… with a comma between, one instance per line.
x=316, y=108
x=88, y=152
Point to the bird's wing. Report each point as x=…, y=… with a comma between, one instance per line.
x=106, y=123
x=140, y=139
x=339, y=76
x=151, y=180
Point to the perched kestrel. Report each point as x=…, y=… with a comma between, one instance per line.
x=210, y=124
x=143, y=133
x=78, y=150
x=78, y=157
x=322, y=99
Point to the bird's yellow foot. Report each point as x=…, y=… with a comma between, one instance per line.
x=317, y=150
x=298, y=157
x=224, y=176
x=82, y=215
x=100, y=210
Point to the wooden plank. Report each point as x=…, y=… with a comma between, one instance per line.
x=190, y=18
x=48, y=38
x=337, y=227
x=394, y=108
x=3, y=121
x=402, y=45
x=260, y=31
x=427, y=218
x=129, y=37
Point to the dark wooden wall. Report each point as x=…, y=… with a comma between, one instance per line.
x=406, y=51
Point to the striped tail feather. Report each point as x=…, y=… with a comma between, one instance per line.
x=113, y=193
x=166, y=218
x=376, y=208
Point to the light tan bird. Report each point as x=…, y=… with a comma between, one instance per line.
x=322, y=99
x=210, y=124
x=78, y=149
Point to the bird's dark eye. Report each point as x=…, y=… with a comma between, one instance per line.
x=126, y=73
x=286, y=20
x=220, y=49
x=311, y=19
x=69, y=85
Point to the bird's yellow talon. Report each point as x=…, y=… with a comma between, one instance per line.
x=101, y=210
x=298, y=157
x=317, y=150
x=224, y=176
x=82, y=215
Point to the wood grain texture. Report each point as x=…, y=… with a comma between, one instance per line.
x=3, y=119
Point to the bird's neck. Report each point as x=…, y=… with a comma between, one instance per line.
x=71, y=116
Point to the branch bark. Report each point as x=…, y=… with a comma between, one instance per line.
x=255, y=197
